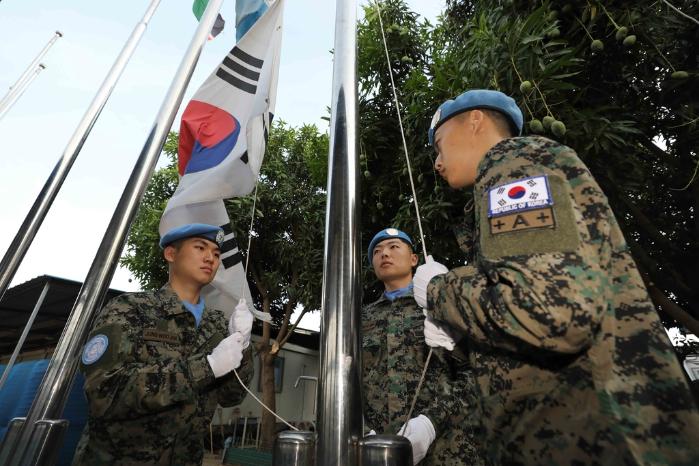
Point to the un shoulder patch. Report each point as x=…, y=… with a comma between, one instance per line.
x=519, y=196
x=94, y=349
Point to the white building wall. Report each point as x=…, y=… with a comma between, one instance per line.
x=293, y=404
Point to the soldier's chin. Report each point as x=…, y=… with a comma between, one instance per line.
x=456, y=183
x=204, y=279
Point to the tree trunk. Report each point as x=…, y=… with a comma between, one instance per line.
x=267, y=354
x=269, y=422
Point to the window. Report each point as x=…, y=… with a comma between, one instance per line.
x=278, y=375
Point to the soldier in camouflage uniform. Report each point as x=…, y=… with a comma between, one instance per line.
x=156, y=365
x=571, y=360
x=393, y=356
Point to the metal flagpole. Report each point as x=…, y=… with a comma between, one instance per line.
x=22, y=338
x=26, y=233
x=32, y=66
x=339, y=394
x=25, y=332
x=17, y=92
x=38, y=435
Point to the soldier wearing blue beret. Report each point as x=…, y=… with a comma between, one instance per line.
x=393, y=356
x=157, y=364
x=572, y=362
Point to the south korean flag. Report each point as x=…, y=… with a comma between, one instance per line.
x=520, y=195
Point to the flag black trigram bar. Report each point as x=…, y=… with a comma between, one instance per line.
x=230, y=255
x=241, y=70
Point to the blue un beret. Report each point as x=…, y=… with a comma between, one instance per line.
x=386, y=234
x=192, y=230
x=471, y=100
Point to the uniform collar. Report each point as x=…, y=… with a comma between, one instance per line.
x=382, y=299
x=195, y=309
x=172, y=304
x=498, y=152
x=399, y=293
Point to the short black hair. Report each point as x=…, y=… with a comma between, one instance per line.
x=503, y=124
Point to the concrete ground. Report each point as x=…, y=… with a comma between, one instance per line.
x=212, y=460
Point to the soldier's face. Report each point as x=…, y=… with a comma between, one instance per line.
x=393, y=259
x=458, y=150
x=196, y=260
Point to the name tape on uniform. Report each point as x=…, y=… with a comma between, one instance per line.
x=518, y=196
x=153, y=334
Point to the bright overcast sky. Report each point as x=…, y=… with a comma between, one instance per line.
x=35, y=131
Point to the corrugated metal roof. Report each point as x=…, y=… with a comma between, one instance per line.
x=18, y=303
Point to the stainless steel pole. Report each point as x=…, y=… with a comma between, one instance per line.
x=339, y=399
x=17, y=93
x=25, y=332
x=32, y=66
x=52, y=394
x=26, y=233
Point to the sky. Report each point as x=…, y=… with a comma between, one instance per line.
x=34, y=133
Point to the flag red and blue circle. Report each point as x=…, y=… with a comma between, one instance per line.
x=208, y=134
x=516, y=192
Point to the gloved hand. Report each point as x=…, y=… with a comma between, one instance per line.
x=436, y=336
x=421, y=434
x=241, y=322
x=422, y=278
x=227, y=355
x=371, y=432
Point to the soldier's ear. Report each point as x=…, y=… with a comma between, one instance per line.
x=169, y=254
x=476, y=118
x=413, y=260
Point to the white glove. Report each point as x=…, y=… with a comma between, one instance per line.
x=436, y=336
x=423, y=275
x=421, y=434
x=371, y=432
x=241, y=322
x=227, y=355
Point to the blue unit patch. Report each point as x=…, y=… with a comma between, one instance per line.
x=94, y=349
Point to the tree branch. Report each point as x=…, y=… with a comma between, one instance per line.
x=293, y=327
x=670, y=307
x=671, y=282
x=289, y=309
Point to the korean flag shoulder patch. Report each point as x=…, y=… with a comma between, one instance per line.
x=94, y=349
x=528, y=216
x=519, y=196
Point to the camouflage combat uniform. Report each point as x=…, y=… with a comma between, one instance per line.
x=570, y=358
x=152, y=393
x=393, y=356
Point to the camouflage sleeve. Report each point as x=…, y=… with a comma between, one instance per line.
x=228, y=390
x=437, y=400
x=119, y=385
x=534, y=286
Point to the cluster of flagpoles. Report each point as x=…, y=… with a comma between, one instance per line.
x=29, y=75
x=36, y=439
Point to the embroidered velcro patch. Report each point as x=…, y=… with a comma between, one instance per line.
x=544, y=229
x=519, y=196
x=529, y=219
x=153, y=334
x=94, y=349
